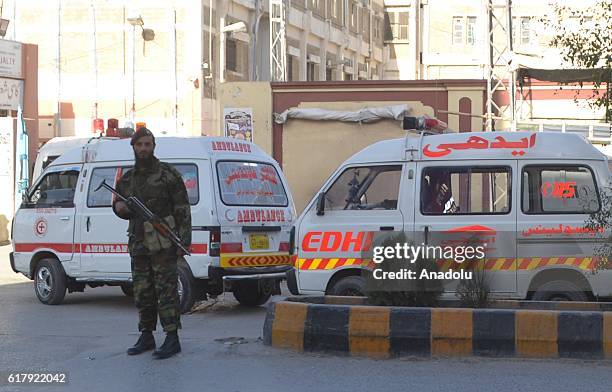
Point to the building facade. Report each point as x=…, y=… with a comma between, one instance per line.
x=164, y=69
x=440, y=39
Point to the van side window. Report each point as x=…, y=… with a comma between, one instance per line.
x=189, y=172
x=103, y=197
x=559, y=189
x=244, y=183
x=365, y=188
x=56, y=189
x=465, y=190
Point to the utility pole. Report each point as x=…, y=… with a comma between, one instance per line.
x=500, y=70
x=278, y=44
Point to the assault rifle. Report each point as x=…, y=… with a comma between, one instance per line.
x=147, y=215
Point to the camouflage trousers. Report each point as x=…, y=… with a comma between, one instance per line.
x=155, y=291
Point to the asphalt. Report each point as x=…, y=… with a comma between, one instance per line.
x=87, y=335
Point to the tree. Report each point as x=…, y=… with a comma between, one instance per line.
x=584, y=38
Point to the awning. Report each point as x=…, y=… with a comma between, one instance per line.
x=566, y=75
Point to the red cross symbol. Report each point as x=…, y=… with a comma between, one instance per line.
x=41, y=227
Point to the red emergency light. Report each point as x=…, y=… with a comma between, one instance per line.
x=98, y=125
x=112, y=125
x=424, y=123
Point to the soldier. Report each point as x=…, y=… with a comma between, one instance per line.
x=154, y=258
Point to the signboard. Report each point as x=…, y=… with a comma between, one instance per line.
x=10, y=59
x=11, y=92
x=238, y=123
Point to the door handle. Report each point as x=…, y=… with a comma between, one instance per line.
x=387, y=228
x=87, y=223
x=426, y=235
x=64, y=218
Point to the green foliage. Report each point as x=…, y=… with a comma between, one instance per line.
x=598, y=220
x=474, y=293
x=584, y=39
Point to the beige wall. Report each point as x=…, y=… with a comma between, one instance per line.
x=254, y=95
x=37, y=22
x=312, y=150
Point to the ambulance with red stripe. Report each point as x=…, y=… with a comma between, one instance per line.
x=529, y=193
x=66, y=237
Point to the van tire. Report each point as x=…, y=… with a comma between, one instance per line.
x=186, y=288
x=128, y=290
x=350, y=286
x=249, y=293
x=50, y=281
x=559, y=290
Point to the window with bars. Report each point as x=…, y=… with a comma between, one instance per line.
x=231, y=56
x=471, y=30
x=311, y=71
x=457, y=30
x=464, y=30
x=525, y=30
x=396, y=23
x=354, y=16
x=365, y=23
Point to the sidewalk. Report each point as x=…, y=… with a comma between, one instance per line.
x=7, y=275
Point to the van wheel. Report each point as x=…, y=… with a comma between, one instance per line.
x=50, y=282
x=186, y=288
x=351, y=286
x=249, y=293
x=559, y=290
x=128, y=290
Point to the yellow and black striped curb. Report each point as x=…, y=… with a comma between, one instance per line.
x=386, y=332
x=456, y=303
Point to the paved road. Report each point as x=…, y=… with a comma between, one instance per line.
x=222, y=351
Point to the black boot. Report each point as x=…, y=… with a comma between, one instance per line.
x=170, y=347
x=145, y=342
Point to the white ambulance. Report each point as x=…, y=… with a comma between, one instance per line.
x=57, y=146
x=65, y=235
x=533, y=191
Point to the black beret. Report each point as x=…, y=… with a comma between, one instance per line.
x=142, y=131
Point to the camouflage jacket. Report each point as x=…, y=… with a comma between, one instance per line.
x=161, y=188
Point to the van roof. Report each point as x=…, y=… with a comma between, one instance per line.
x=196, y=147
x=480, y=145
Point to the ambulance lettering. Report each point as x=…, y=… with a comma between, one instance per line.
x=334, y=241
x=231, y=146
x=480, y=143
x=559, y=190
x=249, y=216
x=104, y=248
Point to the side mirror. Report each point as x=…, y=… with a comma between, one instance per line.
x=24, y=198
x=321, y=204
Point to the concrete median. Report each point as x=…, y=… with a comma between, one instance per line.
x=347, y=326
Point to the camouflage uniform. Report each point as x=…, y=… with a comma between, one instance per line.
x=160, y=187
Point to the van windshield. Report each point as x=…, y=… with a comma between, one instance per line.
x=250, y=184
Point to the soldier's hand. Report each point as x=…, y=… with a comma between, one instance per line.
x=180, y=252
x=122, y=208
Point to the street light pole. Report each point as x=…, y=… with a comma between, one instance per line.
x=133, y=110
x=134, y=21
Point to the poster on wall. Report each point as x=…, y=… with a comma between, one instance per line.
x=238, y=123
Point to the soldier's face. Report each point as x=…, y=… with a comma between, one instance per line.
x=144, y=147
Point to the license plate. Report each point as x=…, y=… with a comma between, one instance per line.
x=259, y=241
